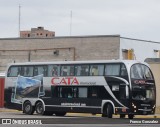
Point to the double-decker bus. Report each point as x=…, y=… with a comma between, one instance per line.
x=124, y=87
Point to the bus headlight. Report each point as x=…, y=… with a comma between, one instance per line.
x=154, y=106
x=134, y=105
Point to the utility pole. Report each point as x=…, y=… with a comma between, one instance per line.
x=19, y=20
x=71, y=23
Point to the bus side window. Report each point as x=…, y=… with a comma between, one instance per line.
x=93, y=92
x=45, y=71
x=66, y=92
x=96, y=70
x=67, y=70
x=28, y=71
x=64, y=71
x=123, y=70
x=13, y=72
x=85, y=70
x=112, y=69
x=81, y=70
x=38, y=70
x=53, y=70
x=82, y=92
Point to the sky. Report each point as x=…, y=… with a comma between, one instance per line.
x=139, y=19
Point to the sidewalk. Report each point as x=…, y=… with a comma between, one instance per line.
x=8, y=110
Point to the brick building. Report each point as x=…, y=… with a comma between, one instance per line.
x=38, y=32
x=58, y=48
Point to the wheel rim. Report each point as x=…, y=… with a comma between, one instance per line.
x=39, y=109
x=27, y=108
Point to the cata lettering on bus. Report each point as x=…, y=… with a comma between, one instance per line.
x=64, y=81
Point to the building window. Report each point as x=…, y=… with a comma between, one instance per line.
x=157, y=53
x=128, y=54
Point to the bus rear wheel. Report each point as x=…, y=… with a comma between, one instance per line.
x=39, y=108
x=28, y=108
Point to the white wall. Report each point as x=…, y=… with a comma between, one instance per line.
x=142, y=49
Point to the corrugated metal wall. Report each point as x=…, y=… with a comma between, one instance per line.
x=1, y=92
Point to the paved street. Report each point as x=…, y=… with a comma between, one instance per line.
x=72, y=119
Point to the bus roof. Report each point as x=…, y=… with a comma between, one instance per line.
x=129, y=62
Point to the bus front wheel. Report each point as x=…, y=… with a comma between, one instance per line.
x=108, y=111
x=130, y=116
x=122, y=115
x=28, y=108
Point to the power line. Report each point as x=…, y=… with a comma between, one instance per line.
x=140, y=40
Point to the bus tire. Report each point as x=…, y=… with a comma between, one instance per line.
x=104, y=114
x=28, y=108
x=39, y=108
x=109, y=111
x=130, y=116
x=60, y=113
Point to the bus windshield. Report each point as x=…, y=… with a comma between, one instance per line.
x=143, y=94
x=140, y=71
x=143, y=86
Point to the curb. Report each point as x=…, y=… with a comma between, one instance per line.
x=8, y=110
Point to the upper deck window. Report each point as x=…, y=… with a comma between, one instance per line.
x=96, y=70
x=112, y=69
x=14, y=71
x=53, y=70
x=41, y=69
x=67, y=70
x=27, y=71
x=81, y=70
x=140, y=71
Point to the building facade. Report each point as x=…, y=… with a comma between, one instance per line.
x=58, y=49
x=105, y=47
x=38, y=32
x=75, y=48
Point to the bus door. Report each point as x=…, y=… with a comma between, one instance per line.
x=95, y=95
